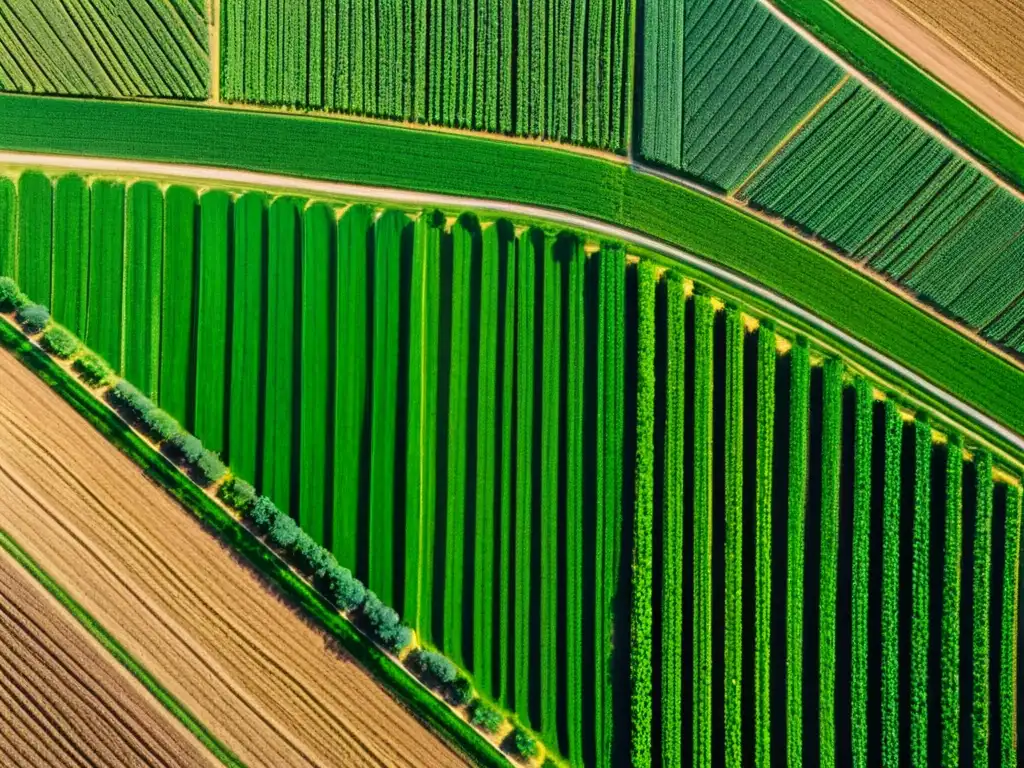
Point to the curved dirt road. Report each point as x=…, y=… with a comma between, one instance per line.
x=269, y=686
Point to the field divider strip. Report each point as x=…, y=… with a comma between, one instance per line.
x=736, y=191
x=115, y=649
x=303, y=597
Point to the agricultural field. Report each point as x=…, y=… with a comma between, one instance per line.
x=560, y=71
x=723, y=84
x=116, y=49
x=444, y=398
x=240, y=659
x=65, y=702
x=734, y=482
x=863, y=178
x=967, y=46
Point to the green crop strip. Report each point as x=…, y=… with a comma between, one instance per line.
x=8, y=228
x=177, y=339
x=733, y=652
x=951, y=590
x=387, y=258
x=211, y=374
x=980, y=605
x=575, y=363
x=911, y=85
x=245, y=271
x=283, y=232
x=143, y=287
x=674, y=512
x=71, y=252
x=106, y=270
x=550, y=452
x=115, y=649
x=891, y=586
x=483, y=546
x=861, y=568
x=641, y=616
x=920, y=596
x=703, y=457
x=1011, y=626
x=831, y=451
x=766, y=364
x=351, y=389
x=525, y=360
x=610, y=395
x=34, y=227
x=799, y=428
x=507, y=341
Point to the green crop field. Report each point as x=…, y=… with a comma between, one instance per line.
x=535, y=68
x=443, y=401
x=114, y=49
x=654, y=516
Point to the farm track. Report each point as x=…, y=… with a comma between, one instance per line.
x=240, y=659
x=63, y=701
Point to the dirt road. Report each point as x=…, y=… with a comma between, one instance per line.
x=65, y=701
x=247, y=666
x=973, y=46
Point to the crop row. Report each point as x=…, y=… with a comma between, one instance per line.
x=868, y=181
x=723, y=83
x=116, y=49
x=441, y=403
x=557, y=70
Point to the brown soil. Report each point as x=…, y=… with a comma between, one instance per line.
x=265, y=682
x=973, y=46
x=64, y=701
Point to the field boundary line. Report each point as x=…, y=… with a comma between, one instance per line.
x=735, y=191
x=264, y=562
x=903, y=108
x=285, y=184
x=125, y=659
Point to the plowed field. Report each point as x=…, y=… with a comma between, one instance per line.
x=972, y=46
x=64, y=701
x=269, y=686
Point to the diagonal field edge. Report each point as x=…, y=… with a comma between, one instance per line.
x=125, y=659
x=396, y=196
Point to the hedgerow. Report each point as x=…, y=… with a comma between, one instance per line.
x=60, y=342
x=237, y=494
x=33, y=317
x=11, y=297
x=93, y=370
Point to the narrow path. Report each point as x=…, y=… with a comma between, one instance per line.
x=201, y=175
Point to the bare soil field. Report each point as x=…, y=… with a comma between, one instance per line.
x=64, y=701
x=973, y=46
x=271, y=687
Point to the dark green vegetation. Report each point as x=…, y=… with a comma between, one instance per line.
x=569, y=341
x=115, y=49
x=723, y=83
x=373, y=154
x=537, y=68
x=929, y=98
x=433, y=712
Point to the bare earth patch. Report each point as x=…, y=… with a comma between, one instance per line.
x=267, y=684
x=973, y=46
x=64, y=701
